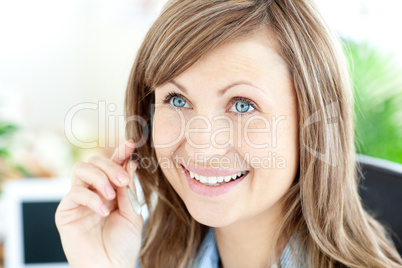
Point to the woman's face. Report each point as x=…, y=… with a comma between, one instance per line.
x=234, y=110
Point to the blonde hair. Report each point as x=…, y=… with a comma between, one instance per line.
x=323, y=206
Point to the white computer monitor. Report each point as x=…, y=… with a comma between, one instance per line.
x=31, y=238
x=30, y=234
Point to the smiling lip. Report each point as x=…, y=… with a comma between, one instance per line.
x=207, y=190
x=210, y=172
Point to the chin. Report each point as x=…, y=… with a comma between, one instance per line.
x=212, y=214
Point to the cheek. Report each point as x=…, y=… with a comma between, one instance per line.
x=256, y=133
x=272, y=144
x=166, y=135
x=275, y=166
x=167, y=130
x=270, y=133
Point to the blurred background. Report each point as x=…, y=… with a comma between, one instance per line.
x=64, y=66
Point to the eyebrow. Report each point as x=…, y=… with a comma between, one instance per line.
x=222, y=91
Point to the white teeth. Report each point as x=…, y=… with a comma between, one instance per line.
x=215, y=180
x=203, y=179
x=212, y=180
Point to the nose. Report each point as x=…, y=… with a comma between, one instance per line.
x=207, y=137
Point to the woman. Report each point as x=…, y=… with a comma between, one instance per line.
x=252, y=129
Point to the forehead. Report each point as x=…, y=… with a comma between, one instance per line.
x=253, y=57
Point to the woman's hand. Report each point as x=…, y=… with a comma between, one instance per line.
x=97, y=224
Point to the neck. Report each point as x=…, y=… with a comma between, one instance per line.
x=249, y=242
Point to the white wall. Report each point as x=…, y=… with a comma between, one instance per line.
x=56, y=54
x=377, y=21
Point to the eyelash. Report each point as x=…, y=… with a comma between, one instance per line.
x=173, y=94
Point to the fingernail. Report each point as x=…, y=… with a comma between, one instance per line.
x=122, y=177
x=109, y=191
x=103, y=210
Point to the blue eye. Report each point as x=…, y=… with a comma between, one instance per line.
x=242, y=106
x=176, y=100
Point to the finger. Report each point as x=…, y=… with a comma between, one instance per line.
x=122, y=152
x=131, y=165
x=115, y=173
x=80, y=196
x=87, y=174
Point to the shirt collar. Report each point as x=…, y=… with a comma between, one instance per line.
x=208, y=257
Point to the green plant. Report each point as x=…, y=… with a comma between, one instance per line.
x=7, y=165
x=377, y=83
x=6, y=130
